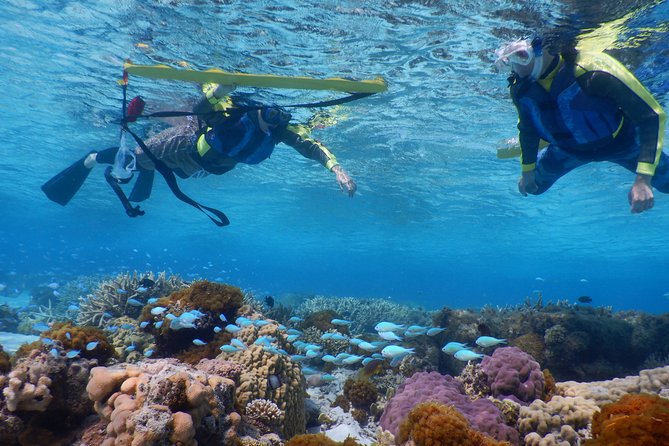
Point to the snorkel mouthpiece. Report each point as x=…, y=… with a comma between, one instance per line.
x=520, y=53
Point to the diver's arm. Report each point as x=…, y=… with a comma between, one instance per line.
x=606, y=77
x=528, y=140
x=312, y=149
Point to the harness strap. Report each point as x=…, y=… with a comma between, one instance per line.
x=170, y=179
x=129, y=209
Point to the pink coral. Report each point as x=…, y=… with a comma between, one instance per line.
x=514, y=374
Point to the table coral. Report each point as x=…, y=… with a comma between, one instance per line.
x=162, y=401
x=635, y=420
x=514, y=374
x=482, y=414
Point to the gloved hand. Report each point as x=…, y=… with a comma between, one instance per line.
x=346, y=184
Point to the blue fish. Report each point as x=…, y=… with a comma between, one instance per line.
x=130, y=348
x=467, y=355
x=47, y=341
x=217, y=329
x=135, y=303
x=55, y=353
x=292, y=338
x=68, y=335
x=73, y=307
x=199, y=342
x=127, y=326
x=141, y=289
x=489, y=341
x=121, y=291
x=239, y=344
x=40, y=326
x=148, y=352
x=297, y=358
x=223, y=318
x=157, y=310
x=295, y=319
x=260, y=323
x=152, y=300
x=292, y=331
x=342, y=322
x=144, y=324
x=91, y=345
x=232, y=328
x=159, y=324
x=111, y=328
x=72, y=354
x=228, y=348
x=435, y=331
x=327, y=377
x=107, y=314
x=453, y=347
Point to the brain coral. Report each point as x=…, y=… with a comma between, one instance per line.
x=635, y=420
x=431, y=423
x=482, y=414
x=513, y=374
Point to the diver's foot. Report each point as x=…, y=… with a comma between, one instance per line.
x=91, y=160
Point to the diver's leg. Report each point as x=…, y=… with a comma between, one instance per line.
x=552, y=164
x=175, y=147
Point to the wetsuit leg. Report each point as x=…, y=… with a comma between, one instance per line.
x=106, y=156
x=552, y=164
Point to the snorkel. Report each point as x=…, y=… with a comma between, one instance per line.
x=520, y=54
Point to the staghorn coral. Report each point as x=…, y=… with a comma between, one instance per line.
x=559, y=420
x=163, y=402
x=432, y=423
x=635, y=420
x=263, y=414
x=362, y=394
x=110, y=298
x=364, y=313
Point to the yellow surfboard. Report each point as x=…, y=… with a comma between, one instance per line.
x=217, y=76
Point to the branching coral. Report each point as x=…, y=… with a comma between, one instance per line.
x=263, y=414
x=110, y=298
x=635, y=420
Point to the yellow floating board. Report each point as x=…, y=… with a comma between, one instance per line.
x=256, y=80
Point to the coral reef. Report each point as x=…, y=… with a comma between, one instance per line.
x=127, y=339
x=117, y=297
x=432, y=423
x=263, y=414
x=318, y=440
x=364, y=313
x=5, y=366
x=43, y=399
x=482, y=414
x=361, y=394
x=163, y=401
x=513, y=374
x=561, y=419
x=475, y=381
x=604, y=392
x=72, y=337
x=9, y=320
x=635, y=420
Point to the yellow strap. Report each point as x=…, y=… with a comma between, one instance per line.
x=215, y=75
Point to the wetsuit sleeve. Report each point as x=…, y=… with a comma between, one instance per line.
x=604, y=76
x=296, y=137
x=527, y=137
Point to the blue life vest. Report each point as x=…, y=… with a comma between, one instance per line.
x=242, y=141
x=565, y=115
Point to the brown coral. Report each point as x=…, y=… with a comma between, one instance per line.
x=635, y=420
x=319, y=440
x=432, y=423
x=5, y=365
x=361, y=394
x=73, y=337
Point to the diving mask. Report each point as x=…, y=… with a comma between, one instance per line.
x=521, y=53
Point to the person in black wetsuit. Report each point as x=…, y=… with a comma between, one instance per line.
x=232, y=133
x=583, y=107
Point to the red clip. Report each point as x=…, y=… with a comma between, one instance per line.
x=135, y=108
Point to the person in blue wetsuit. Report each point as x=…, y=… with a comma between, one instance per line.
x=583, y=107
x=228, y=132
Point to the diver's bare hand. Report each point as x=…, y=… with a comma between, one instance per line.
x=346, y=184
x=527, y=183
x=640, y=195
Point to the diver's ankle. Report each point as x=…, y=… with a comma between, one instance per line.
x=91, y=160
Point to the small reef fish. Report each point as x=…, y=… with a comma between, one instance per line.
x=355, y=341
x=297, y=358
x=272, y=350
x=295, y=319
x=389, y=336
x=453, y=347
x=435, y=331
x=53, y=285
x=134, y=302
x=222, y=317
x=199, y=342
x=73, y=307
x=416, y=329
x=387, y=326
x=72, y=354
x=55, y=353
x=292, y=338
x=328, y=358
x=41, y=326
x=148, y=352
x=327, y=377
x=243, y=321
x=159, y=324
x=130, y=348
x=352, y=359
x=217, y=329
x=260, y=323
x=228, y=348
x=127, y=326
x=341, y=322
x=111, y=328
x=232, y=328
x=68, y=335
x=311, y=354
x=157, y=310
x=489, y=341
x=292, y=331
x=239, y=344
x=585, y=299
x=121, y=291
x=395, y=353
x=91, y=345
x=141, y=289
x=152, y=300
x=144, y=324
x=467, y=355
x=368, y=347
x=47, y=341
x=367, y=361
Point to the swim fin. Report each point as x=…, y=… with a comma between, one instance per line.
x=65, y=185
x=142, y=188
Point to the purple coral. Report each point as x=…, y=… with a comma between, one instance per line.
x=514, y=374
x=482, y=414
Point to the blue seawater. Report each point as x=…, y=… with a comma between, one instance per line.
x=437, y=219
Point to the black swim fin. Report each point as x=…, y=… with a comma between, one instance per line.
x=65, y=185
x=142, y=188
